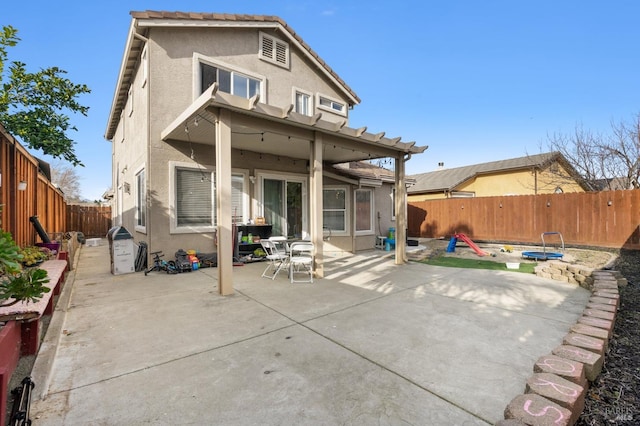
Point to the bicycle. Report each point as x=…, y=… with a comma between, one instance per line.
x=160, y=264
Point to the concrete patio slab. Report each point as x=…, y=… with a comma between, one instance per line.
x=371, y=342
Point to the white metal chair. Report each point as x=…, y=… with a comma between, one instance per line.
x=277, y=258
x=301, y=261
x=281, y=243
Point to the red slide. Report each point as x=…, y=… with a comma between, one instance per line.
x=471, y=244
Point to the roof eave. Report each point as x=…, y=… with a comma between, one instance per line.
x=121, y=83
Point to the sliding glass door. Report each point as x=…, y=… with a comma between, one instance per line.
x=284, y=201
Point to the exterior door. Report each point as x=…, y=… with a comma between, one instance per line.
x=284, y=203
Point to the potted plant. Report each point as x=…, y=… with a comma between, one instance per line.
x=15, y=282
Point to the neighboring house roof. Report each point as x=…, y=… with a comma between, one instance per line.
x=136, y=40
x=617, y=183
x=449, y=179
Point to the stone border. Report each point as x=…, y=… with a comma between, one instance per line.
x=555, y=393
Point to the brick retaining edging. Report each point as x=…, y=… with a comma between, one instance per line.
x=555, y=393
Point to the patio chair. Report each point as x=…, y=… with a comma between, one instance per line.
x=281, y=243
x=301, y=261
x=277, y=258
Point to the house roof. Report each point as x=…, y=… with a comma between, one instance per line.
x=142, y=20
x=365, y=171
x=449, y=179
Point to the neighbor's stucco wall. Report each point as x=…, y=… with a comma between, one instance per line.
x=523, y=182
x=517, y=182
x=425, y=197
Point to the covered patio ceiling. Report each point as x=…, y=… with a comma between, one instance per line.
x=281, y=132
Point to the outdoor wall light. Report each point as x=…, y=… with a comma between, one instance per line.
x=609, y=203
x=252, y=179
x=22, y=185
x=548, y=203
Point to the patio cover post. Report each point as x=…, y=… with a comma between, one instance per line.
x=401, y=211
x=223, y=202
x=316, y=206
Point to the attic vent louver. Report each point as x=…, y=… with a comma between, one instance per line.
x=274, y=50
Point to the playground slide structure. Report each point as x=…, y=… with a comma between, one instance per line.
x=454, y=239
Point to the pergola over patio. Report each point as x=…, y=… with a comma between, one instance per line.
x=227, y=121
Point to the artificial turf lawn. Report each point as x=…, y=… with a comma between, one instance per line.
x=457, y=262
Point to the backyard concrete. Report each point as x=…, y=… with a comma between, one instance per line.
x=372, y=342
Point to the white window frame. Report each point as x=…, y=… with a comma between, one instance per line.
x=144, y=57
x=347, y=207
x=197, y=74
x=334, y=103
x=274, y=57
x=369, y=231
x=245, y=193
x=288, y=177
x=393, y=202
x=141, y=199
x=173, y=223
x=294, y=101
x=130, y=100
x=208, y=173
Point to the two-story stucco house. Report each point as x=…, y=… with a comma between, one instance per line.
x=220, y=119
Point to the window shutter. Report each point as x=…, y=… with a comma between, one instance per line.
x=267, y=47
x=281, y=53
x=274, y=50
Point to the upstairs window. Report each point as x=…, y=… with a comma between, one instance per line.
x=229, y=81
x=274, y=50
x=332, y=105
x=302, y=103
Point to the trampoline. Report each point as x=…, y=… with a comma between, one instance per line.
x=544, y=254
x=541, y=255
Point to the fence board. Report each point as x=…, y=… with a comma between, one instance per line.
x=40, y=198
x=92, y=221
x=604, y=219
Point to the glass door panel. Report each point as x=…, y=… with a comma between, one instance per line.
x=273, y=198
x=294, y=209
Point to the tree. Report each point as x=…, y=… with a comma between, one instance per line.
x=33, y=106
x=66, y=178
x=603, y=162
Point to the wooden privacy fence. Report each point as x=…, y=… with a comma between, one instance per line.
x=92, y=221
x=25, y=192
x=600, y=219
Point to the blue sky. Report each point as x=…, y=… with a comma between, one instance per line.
x=474, y=80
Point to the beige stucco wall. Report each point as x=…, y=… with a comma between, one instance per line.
x=129, y=151
x=170, y=89
x=523, y=182
x=518, y=182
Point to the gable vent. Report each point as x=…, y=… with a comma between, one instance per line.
x=274, y=50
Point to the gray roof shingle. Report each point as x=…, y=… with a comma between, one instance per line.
x=448, y=179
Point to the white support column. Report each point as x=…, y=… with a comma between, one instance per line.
x=315, y=197
x=401, y=212
x=223, y=203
